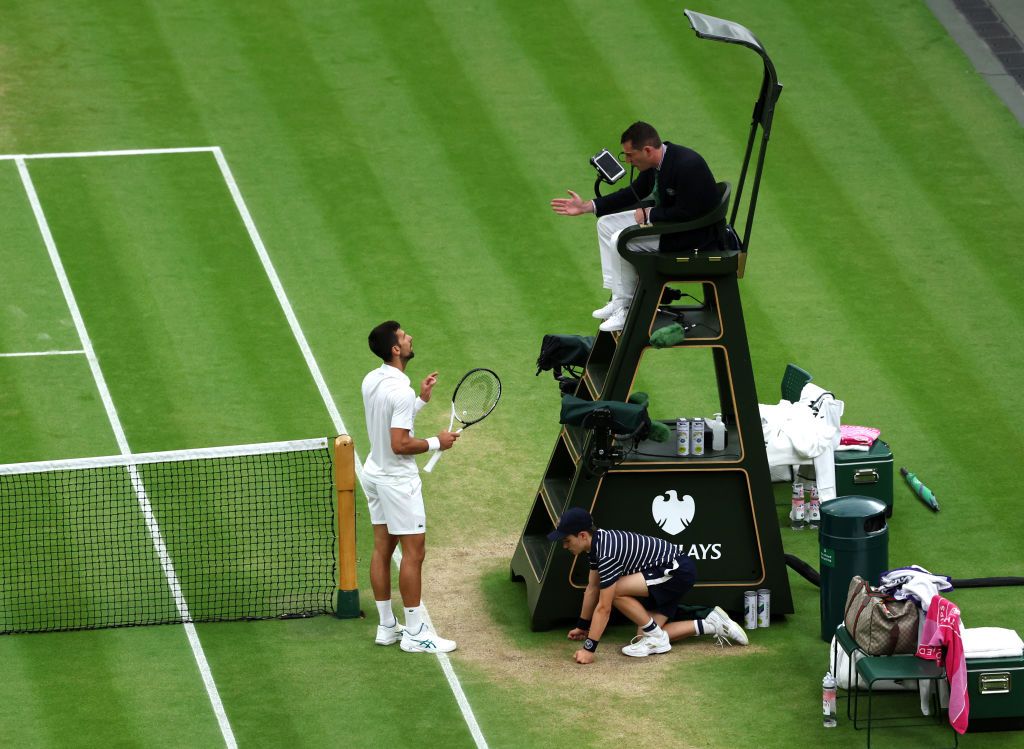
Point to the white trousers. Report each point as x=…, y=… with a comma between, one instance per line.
x=617, y=273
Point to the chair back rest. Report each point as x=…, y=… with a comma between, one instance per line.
x=719, y=211
x=793, y=382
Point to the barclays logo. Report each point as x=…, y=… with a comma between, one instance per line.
x=672, y=513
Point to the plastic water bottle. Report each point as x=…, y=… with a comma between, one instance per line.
x=813, y=508
x=828, y=700
x=796, y=515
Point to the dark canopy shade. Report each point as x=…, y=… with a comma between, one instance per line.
x=722, y=30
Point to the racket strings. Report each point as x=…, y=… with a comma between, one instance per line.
x=476, y=396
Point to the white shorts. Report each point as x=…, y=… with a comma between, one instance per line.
x=399, y=504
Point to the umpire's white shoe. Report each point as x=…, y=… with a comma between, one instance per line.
x=645, y=645
x=606, y=311
x=389, y=635
x=726, y=629
x=616, y=322
x=426, y=641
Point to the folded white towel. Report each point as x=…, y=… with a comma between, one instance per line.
x=1004, y=653
x=992, y=642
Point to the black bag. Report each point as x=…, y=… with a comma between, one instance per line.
x=557, y=351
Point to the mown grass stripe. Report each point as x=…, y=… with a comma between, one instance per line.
x=115, y=424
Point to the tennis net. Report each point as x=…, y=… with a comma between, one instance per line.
x=217, y=534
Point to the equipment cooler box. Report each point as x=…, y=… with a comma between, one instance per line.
x=866, y=474
x=995, y=688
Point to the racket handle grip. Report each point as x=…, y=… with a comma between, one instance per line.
x=432, y=462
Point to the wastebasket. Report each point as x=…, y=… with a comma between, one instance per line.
x=853, y=540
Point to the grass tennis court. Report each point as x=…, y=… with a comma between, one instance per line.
x=397, y=161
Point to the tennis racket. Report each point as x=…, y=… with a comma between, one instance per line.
x=474, y=398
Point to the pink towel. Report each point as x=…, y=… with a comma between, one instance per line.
x=942, y=631
x=851, y=435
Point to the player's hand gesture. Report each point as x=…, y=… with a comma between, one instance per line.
x=573, y=206
x=427, y=386
x=577, y=634
x=447, y=439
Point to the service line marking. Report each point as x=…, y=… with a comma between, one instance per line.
x=332, y=409
x=41, y=353
x=94, y=154
x=122, y=443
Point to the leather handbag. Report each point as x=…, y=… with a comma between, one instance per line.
x=880, y=624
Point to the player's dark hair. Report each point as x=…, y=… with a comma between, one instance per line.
x=383, y=338
x=641, y=134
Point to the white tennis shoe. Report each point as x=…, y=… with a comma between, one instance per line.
x=645, y=645
x=726, y=629
x=616, y=322
x=389, y=635
x=606, y=311
x=426, y=641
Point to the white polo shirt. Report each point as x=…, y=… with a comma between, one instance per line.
x=390, y=403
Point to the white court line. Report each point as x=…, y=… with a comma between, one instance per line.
x=339, y=425
x=122, y=443
x=92, y=154
x=41, y=353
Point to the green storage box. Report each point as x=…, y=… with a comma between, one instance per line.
x=866, y=474
x=995, y=688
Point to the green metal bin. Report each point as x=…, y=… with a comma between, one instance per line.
x=853, y=540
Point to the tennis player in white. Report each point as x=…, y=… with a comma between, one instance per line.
x=393, y=489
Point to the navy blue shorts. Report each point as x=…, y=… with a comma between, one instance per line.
x=663, y=597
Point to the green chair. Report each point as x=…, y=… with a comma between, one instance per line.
x=845, y=641
x=897, y=668
x=793, y=382
x=714, y=216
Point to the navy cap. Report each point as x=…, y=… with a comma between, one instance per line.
x=573, y=520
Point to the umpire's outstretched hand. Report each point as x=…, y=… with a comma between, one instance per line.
x=573, y=206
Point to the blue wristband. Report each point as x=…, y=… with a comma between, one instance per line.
x=590, y=645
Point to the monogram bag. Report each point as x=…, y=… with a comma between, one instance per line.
x=880, y=624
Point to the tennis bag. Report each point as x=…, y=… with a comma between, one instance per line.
x=880, y=624
x=557, y=351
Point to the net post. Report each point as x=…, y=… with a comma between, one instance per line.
x=347, y=605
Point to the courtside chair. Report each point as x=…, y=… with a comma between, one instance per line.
x=874, y=668
x=793, y=381
x=845, y=641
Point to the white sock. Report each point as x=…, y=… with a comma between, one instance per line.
x=387, y=616
x=651, y=629
x=413, y=619
x=706, y=627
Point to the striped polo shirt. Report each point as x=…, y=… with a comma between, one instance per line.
x=615, y=554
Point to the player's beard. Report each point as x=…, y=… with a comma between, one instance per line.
x=410, y=356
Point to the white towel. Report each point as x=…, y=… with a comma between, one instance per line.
x=914, y=582
x=992, y=642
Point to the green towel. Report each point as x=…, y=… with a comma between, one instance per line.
x=639, y=398
x=670, y=335
x=659, y=432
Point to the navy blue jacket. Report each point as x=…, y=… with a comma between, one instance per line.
x=686, y=191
